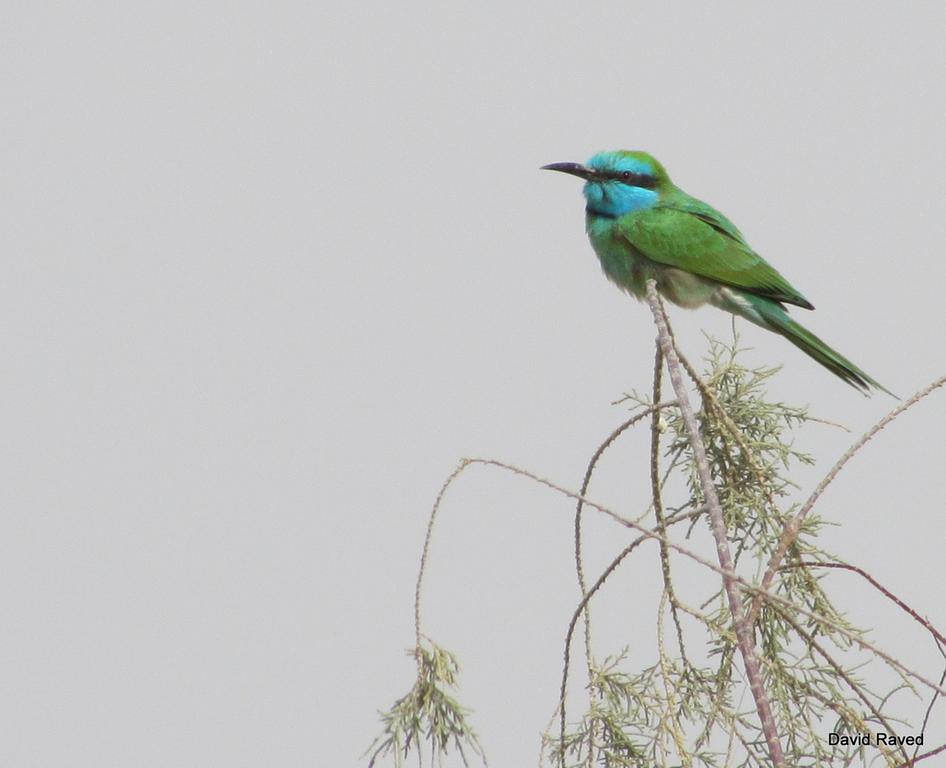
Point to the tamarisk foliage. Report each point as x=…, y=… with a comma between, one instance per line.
x=688, y=705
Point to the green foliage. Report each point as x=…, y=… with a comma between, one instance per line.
x=689, y=705
x=427, y=713
x=678, y=712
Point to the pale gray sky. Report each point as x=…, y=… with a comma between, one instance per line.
x=272, y=269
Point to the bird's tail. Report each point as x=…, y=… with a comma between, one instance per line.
x=774, y=317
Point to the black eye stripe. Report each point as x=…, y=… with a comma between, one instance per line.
x=644, y=180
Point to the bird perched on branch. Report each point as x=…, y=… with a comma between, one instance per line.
x=643, y=226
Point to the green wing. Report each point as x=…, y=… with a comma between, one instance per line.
x=692, y=236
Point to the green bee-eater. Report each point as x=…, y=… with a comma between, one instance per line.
x=642, y=226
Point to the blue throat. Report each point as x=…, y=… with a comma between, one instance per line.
x=612, y=198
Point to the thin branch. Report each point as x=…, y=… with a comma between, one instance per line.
x=924, y=756
x=583, y=605
x=609, y=441
x=732, y=583
x=658, y=504
x=423, y=558
x=749, y=587
x=793, y=526
x=929, y=709
x=718, y=525
x=877, y=585
x=809, y=638
x=580, y=571
x=715, y=408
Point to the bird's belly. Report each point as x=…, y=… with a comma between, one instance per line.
x=684, y=288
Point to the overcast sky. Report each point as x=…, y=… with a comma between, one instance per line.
x=272, y=269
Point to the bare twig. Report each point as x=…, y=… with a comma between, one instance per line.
x=913, y=761
x=741, y=632
x=579, y=565
x=689, y=553
x=929, y=709
x=880, y=587
x=718, y=525
x=655, y=489
x=423, y=558
x=793, y=526
x=583, y=606
x=857, y=690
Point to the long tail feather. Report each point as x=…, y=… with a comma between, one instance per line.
x=771, y=315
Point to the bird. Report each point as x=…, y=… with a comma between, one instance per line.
x=642, y=226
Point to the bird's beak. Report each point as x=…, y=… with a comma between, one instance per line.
x=575, y=169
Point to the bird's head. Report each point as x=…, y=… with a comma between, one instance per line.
x=618, y=182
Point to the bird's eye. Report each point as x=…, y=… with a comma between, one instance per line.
x=625, y=175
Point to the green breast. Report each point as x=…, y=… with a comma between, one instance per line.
x=630, y=269
x=620, y=262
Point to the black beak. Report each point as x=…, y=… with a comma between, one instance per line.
x=575, y=169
